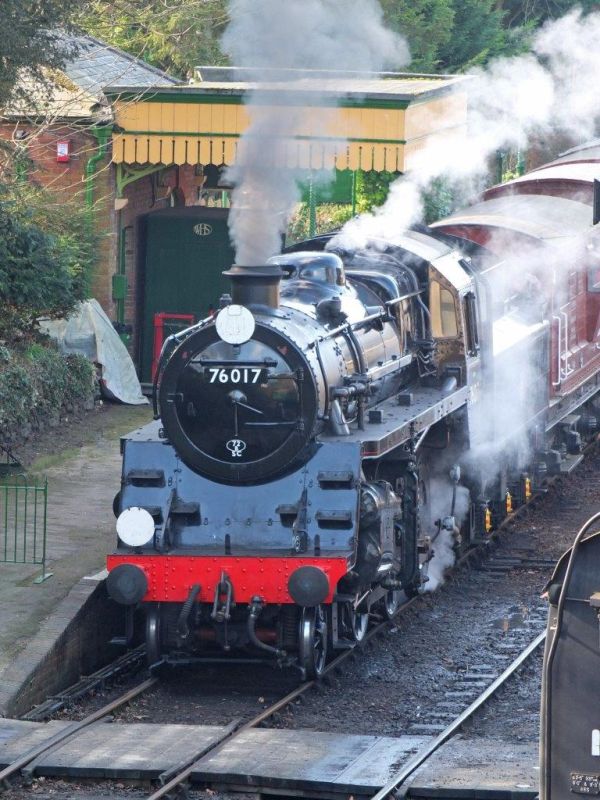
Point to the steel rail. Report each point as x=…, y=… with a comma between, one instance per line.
x=62, y=736
x=232, y=732
x=423, y=755
x=126, y=662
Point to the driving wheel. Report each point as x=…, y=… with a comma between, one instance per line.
x=153, y=635
x=391, y=602
x=313, y=641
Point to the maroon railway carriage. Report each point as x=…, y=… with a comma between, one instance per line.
x=541, y=224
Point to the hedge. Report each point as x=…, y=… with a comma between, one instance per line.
x=37, y=385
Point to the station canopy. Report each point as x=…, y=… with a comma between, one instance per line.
x=375, y=123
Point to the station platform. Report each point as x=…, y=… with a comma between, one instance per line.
x=323, y=765
x=82, y=463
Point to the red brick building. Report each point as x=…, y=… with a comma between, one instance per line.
x=60, y=138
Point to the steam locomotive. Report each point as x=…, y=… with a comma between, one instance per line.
x=347, y=413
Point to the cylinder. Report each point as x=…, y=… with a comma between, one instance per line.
x=255, y=286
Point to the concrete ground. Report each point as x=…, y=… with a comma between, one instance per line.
x=83, y=467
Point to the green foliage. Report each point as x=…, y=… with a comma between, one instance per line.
x=427, y=24
x=29, y=38
x=330, y=216
x=524, y=12
x=41, y=273
x=174, y=36
x=36, y=382
x=372, y=189
x=69, y=223
x=478, y=35
x=439, y=200
x=444, y=35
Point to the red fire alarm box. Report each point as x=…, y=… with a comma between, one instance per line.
x=63, y=152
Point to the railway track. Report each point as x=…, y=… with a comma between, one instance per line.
x=441, y=727
x=180, y=772
x=174, y=780
x=396, y=784
x=128, y=663
x=25, y=764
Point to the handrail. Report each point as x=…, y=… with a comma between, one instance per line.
x=559, y=352
x=348, y=326
x=567, y=369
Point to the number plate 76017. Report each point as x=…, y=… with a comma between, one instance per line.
x=236, y=375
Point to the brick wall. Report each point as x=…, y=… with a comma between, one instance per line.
x=73, y=641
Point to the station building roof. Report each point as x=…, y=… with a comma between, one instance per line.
x=374, y=122
x=76, y=91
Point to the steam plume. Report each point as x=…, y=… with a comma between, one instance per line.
x=269, y=37
x=552, y=91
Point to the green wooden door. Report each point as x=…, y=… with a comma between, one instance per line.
x=183, y=253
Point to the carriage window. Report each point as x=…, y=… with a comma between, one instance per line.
x=443, y=312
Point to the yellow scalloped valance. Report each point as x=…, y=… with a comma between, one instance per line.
x=383, y=135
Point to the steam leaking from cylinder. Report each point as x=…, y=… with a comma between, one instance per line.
x=269, y=38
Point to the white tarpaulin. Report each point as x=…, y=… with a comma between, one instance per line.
x=89, y=332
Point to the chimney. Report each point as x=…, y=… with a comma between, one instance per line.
x=255, y=286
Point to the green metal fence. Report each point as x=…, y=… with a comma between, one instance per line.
x=23, y=521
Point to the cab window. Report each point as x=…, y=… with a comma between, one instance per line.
x=443, y=312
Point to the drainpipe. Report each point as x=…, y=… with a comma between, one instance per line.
x=101, y=132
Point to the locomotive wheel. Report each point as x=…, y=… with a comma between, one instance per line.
x=360, y=625
x=355, y=624
x=391, y=603
x=153, y=635
x=312, y=651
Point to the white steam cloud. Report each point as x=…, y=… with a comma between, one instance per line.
x=437, y=507
x=552, y=91
x=269, y=37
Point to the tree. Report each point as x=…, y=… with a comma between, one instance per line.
x=174, y=35
x=40, y=274
x=522, y=12
x=478, y=35
x=30, y=38
x=426, y=24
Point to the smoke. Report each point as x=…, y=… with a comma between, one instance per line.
x=269, y=37
x=437, y=505
x=551, y=91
